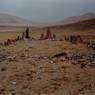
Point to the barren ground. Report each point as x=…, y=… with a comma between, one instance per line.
x=28, y=68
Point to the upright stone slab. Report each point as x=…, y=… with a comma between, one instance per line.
x=27, y=33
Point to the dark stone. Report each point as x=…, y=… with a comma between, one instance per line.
x=63, y=54
x=13, y=94
x=3, y=69
x=83, y=65
x=27, y=33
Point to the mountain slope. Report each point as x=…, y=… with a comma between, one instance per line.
x=72, y=20
x=87, y=24
x=82, y=25
x=10, y=20
x=75, y=19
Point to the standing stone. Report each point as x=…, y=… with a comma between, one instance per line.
x=54, y=36
x=48, y=35
x=42, y=36
x=79, y=39
x=27, y=33
x=18, y=38
x=23, y=35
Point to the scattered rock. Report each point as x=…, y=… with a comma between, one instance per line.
x=2, y=57
x=3, y=69
x=11, y=58
x=51, y=62
x=13, y=93
x=13, y=82
x=60, y=55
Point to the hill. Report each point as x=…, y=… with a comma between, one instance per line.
x=81, y=25
x=71, y=20
x=10, y=20
x=75, y=19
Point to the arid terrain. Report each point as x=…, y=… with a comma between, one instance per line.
x=47, y=67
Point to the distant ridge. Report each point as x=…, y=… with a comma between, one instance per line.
x=10, y=20
x=82, y=25
x=75, y=19
x=72, y=20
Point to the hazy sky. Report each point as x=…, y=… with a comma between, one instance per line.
x=46, y=10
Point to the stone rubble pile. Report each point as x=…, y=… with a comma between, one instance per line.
x=6, y=57
x=2, y=57
x=83, y=58
x=77, y=58
x=91, y=45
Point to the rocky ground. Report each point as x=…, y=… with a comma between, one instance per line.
x=47, y=68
